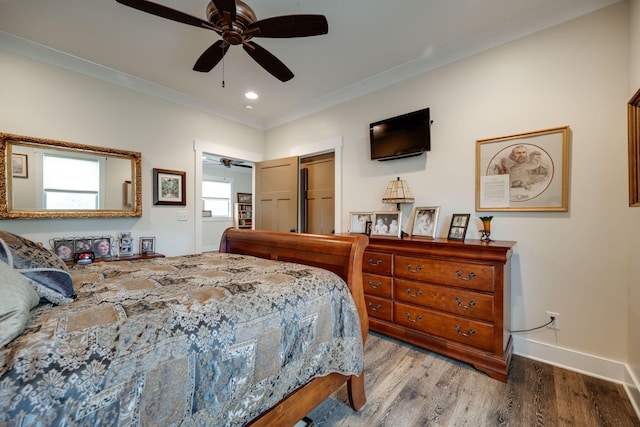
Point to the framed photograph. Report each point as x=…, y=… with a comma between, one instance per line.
x=524, y=172
x=458, y=228
x=127, y=198
x=359, y=222
x=64, y=248
x=102, y=247
x=387, y=224
x=147, y=245
x=20, y=165
x=368, y=227
x=633, y=113
x=83, y=245
x=425, y=221
x=245, y=198
x=169, y=187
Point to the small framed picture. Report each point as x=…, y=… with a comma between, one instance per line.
x=102, y=247
x=459, y=224
x=64, y=248
x=425, y=221
x=387, y=224
x=83, y=245
x=245, y=198
x=359, y=222
x=147, y=245
x=20, y=166
x=368, y=227
x=169, y=187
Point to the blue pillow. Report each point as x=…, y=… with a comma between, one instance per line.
x=47, y=273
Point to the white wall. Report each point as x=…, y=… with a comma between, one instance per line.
x=45, y=101
x=575, y=74
x=634, y=252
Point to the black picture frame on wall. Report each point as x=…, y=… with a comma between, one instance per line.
x=169, y=187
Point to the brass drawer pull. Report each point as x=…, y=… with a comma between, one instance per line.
x=418, y=317
x=468, y=334
x=374, y=285
x=413, y=270
x=376, y=308
x=376, y=264
x=471, y=275
x=466, y=307
x=418, y=293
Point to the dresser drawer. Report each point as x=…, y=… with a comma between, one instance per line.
x=453, y=300
x=377, y=285
x=466, y=275
x=470, y=332
x=377, y=263
x=378, y=307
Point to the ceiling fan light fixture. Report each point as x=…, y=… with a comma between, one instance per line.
x=251, y=95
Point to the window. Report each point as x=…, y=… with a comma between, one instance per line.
x=77, y=190
x=216, y=197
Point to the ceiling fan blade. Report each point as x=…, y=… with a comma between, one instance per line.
x=166, y=12
x=269, y=62
x=211, y=57
x=289, y=26
x=226, y=7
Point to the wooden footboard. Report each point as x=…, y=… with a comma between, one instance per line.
x=341, y=254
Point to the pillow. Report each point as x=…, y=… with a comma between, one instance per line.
x=45, y=270
x=17, y=298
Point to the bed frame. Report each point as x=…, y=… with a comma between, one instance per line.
x=341, y=254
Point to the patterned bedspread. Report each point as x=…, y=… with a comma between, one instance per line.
x=207, y=340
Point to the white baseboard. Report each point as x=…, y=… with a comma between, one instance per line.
x=210, y=248
x=587, y=364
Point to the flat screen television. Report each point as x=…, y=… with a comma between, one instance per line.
x=402, y=136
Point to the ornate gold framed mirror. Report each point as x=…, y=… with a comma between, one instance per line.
x=42, y=178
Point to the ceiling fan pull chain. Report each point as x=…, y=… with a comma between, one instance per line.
x=223, y=72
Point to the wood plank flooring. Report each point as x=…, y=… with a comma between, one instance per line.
x=408, y=386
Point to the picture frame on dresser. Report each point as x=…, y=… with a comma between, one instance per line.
x=458, y=227
x=386, y=224
x=425, y=221
x=527, y=172
x=358, y=222
x=147, y=245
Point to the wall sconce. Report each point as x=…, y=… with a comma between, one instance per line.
x=397, y=192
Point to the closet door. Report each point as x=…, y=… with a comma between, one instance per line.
x=276, y=195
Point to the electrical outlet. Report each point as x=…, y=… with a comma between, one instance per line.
x=556, y=320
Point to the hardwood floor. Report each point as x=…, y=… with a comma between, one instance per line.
x=408, y=386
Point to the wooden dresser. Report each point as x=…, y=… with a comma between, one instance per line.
x=447, y=296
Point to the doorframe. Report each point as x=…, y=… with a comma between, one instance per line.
x=320, y=147
x=199, y=148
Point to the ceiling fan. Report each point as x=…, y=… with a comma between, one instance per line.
x=230, y=162
x=237, y=24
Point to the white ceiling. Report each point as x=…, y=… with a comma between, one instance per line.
x=370, y=44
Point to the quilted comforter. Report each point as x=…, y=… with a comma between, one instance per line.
x=209, y=340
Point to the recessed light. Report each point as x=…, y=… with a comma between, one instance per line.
x=251, y=95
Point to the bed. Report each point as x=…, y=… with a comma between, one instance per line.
x=258, y=333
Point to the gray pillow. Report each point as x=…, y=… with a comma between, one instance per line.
x=17, y=298
x=45, y=270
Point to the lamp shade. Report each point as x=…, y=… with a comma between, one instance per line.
x=398, y=191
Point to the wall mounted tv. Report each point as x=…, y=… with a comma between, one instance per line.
x=402, y=136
